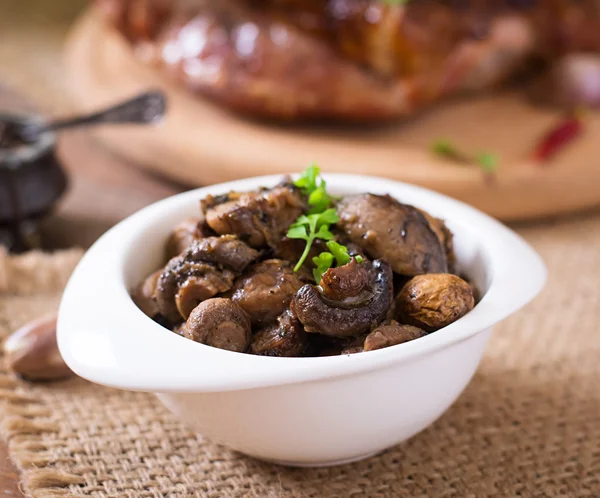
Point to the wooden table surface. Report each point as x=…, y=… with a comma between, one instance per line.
x=103, y=190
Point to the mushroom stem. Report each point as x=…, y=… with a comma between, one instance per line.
x=343, y=319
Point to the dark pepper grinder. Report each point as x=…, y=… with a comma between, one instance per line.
x=31, y=181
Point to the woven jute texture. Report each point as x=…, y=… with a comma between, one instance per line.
x=528, y=424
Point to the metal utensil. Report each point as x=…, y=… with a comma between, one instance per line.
x=148, y=107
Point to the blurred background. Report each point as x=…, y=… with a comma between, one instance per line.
x=31, y=58
x=489, y=103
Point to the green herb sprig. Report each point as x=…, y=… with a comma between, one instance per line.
x=486, y=161
x=316, y=224
x=311, y=227
x=315, y=187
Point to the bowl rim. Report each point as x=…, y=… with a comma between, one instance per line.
x=101, y=350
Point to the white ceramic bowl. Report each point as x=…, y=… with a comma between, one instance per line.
x=295, y=411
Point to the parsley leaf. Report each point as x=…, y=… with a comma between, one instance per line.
x=325, y=260
x=298, y=232
x=487, y=162
x=308, y=179
x=315, y=187
x=319, y=199
x=327, y=217
x=339, y=252
x=322, y=262
x=311, y=227
x=316, y=224
x=443, y=147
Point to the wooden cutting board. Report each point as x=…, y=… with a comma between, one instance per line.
x=200, y=143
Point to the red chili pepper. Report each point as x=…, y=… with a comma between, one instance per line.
x=558, y=137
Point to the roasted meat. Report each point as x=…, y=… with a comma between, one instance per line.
x=363, y=60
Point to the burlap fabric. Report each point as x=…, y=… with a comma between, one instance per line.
x=528, y=425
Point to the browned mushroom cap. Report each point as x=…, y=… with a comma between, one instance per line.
x=322, y=345
x=389, y=335
x=220, y=323
x=396, y=232
x=285, y=338
x=433, y=301
x=445, y=237
x=203, y=270
x=204, y=281
x=184, y=234
x=179, y=329
x=266, y=291
x=227, y=251
x=144, y=296
x=345, y=282
x=351, y=317
x=355, y=346
x=260, y=217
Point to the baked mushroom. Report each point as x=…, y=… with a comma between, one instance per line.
x=207, y=268
x=144, y=295
x=220, y=323
x=322, y=345
x=184, y=234
x=355, y=346
x=201, y=281
x=445, y=237
x=179, y=329
x=433, y=301
x=285, y=338
x=260, y=217
x=391, y=334
x=342, y=316
x=384, y=336
x=266, y=291
x=395, y=232
x=345, y=282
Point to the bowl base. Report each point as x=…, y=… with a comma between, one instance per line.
x=327, y=463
